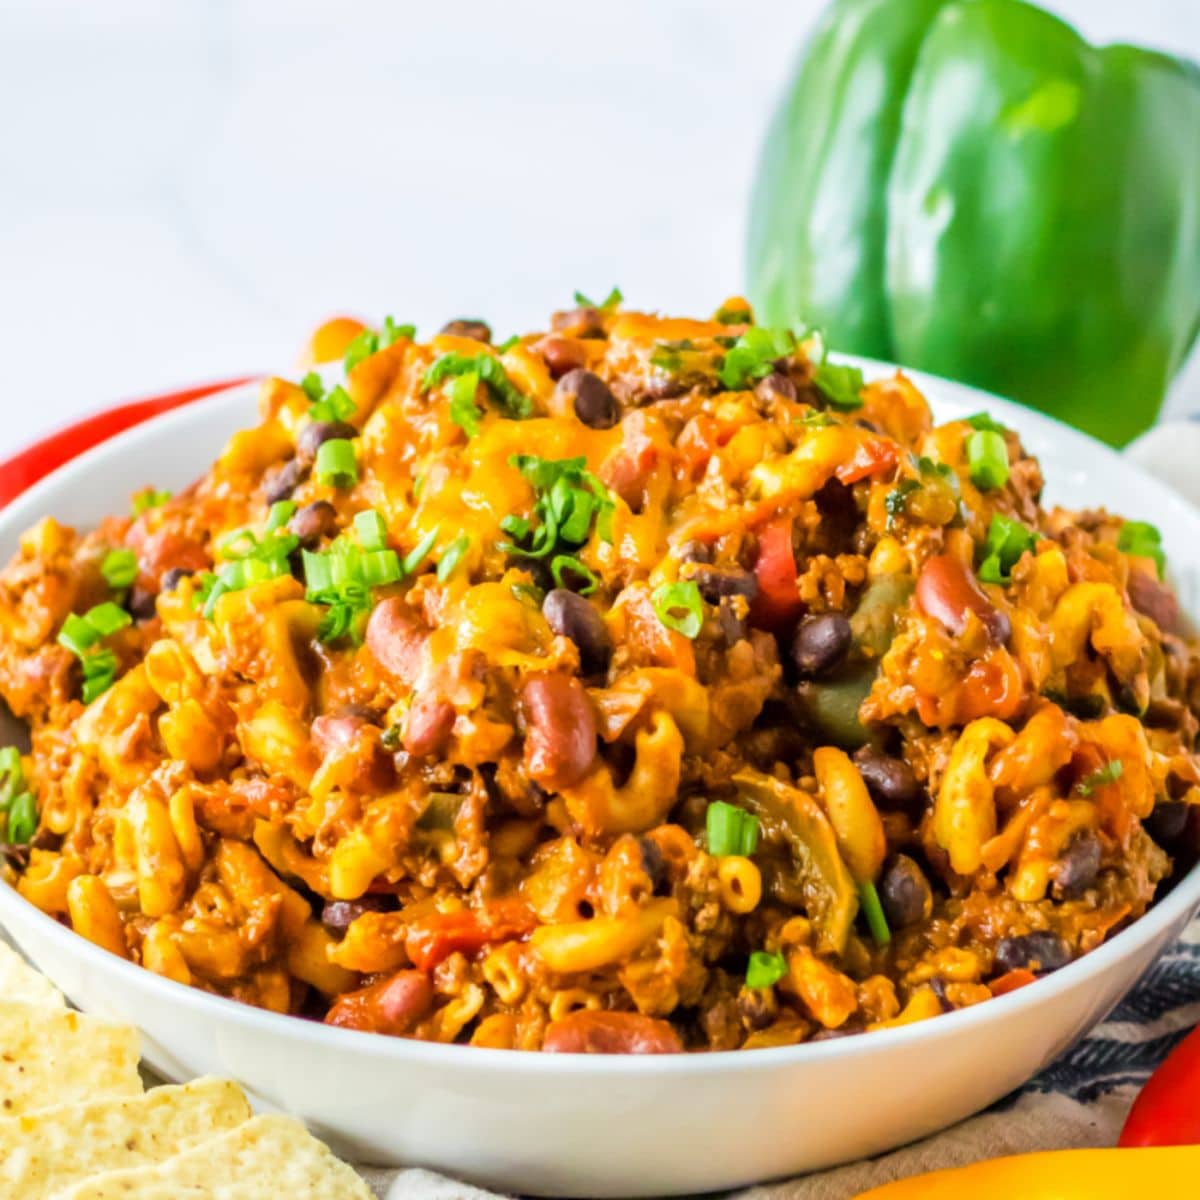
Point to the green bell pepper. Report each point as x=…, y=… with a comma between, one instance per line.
x=970, y=188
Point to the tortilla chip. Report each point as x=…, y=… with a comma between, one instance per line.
x=21, y=983
x=54, y=1147
x=267, y=1158
x=49, y=1058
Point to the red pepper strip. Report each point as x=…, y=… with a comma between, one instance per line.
x=434, y=938
x=777, y=601
x=24, y=469
x=871, y=456
x=1011, y=981
x=1167, y=1110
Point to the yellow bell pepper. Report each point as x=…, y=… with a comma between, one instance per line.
x=1166, y=1172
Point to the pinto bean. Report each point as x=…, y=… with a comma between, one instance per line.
x=392, y=1006
x=561, y=354
x=469, y=327
x=592, y=1032
x=1154, y=600
x=1039, y=951
x=429, y=723
x=948, y=592
x=396, y=639
x=560, y=739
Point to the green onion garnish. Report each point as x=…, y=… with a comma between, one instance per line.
x=987, y=459
x=1006, y=541
x=983, y=420
x=417, y=555
x=337, y=464
x=680, y=607
x=451, y=557
x=841, y=385
x=731, y=830
x=873, y=911
x=82, y=636
x=508, y=343
x=502, y=391
x=22, y=820
x=1109, y=773
x=148, y=499
x=336, y=406
x=371, y=529
x=464, y=412
x=371, y=341
x=609, y=302
x=16, y=802
x=119, y=568
x=753, y=356
x=1143, y=540
x=279, y=514
x=764, y=970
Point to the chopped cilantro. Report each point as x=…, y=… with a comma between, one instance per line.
x=1109, y=773
x=841, y=385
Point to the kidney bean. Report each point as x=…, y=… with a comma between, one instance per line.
x=392, y=1006
x=1168, y=821
x=469, y=327
x=891, y=781
x=1155, y=600
x=561, y=354
x=1040, y=951
x=592, y=1032
x=1078, y=866
x=595, y=405
x=560, y=739
x=904, y=893
x=571, y=616
x=948, y=592
x=313, y=522
x=820, y=644
x=316, y=434
x=775, y=385
x=396, y=639
x=429, y=723
x=715, y=582
x=282, y=483
x=338, y=915
x=348, y=733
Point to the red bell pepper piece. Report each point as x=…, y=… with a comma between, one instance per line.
x=1167, y=1110
x=1010, y=981
x=24, y=469
x=872, y=456
x=778, y=601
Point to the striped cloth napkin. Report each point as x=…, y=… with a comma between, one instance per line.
x=1078, y=1101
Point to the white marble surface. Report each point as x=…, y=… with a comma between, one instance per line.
x=188, y=187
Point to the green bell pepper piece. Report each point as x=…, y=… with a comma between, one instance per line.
x=968, y=187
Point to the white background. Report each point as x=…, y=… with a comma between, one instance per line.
x=187, y=188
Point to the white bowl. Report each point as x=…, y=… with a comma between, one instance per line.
x=573, y=1125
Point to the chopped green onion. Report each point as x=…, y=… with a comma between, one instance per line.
x=1109, y=773
x=417, y=555
x=337, y=406
x=451, y=557
x=120, y=568
x=731, y=830
x=82, y=635
x=508, y=343
x=895, y=503
x=337, y=464
x=381, y=567
x=17, y=805
x=10, y=765
x=873, y=911
x=841, y=385
x=280, y=513
x=564, y=565
x=729, y=315
x=1007, y=540
x=609, y=302
x=1143, y=540
x=984, y=421
x=754, y=355
x=371, y=529
x=570, y=501
x=313, y=386
x=148, y=499
x=765, y=969
x=680, y=607
x=107, y=618
x=77, y=635
x=504, y=393
x=464, y=412
x=363, y=346
x=987, y=459
x=816, y=420
x=22, y=820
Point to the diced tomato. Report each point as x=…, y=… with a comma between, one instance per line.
x=778, y=601
x=873, y=456
x=434, y=938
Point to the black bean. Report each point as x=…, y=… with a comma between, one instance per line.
x=757, y=1007
x=1078, y=866
x=286, y=480
x=173, y=578
x=595, y=405
x=715, y=582
x=142, y=604
x=1168, y=821
x=733, y=625
x=654, y=864
x=1036, y=952
x=339, y=915
x=777, y=384
x=904, y=893
x=313, y=522
x=820, y=644
x=469, y=327
x=999, y=626
x=832, y=1035
x=316, y=434
x=695, y=551
x=938, y=988
x=571, y=616
x=891, y=781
